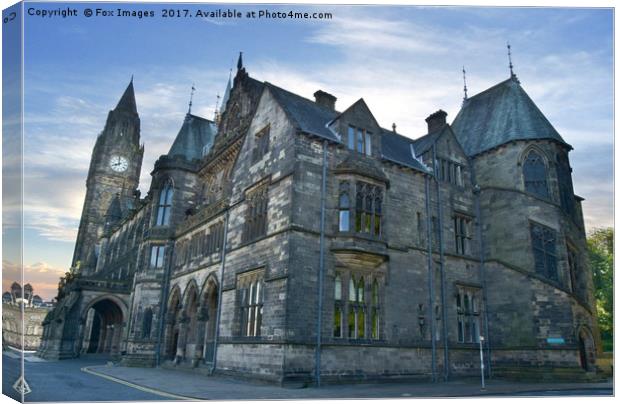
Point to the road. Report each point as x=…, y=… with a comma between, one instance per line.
x=64, y=381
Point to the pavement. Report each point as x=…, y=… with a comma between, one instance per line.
x=95, y=379
x=191, y=386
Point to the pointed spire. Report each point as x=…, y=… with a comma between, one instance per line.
x=128, y=99
x=191, y=99
x=240, y=61
x=227, y=92
x=510, y=60
x=464, y=84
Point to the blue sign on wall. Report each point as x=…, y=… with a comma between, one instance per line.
x=555, y=340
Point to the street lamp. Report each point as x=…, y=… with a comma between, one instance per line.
x=481, y=362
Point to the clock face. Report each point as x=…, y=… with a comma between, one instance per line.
x=118, y=164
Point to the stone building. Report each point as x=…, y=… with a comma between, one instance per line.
x=289, y=240
x=23, y=313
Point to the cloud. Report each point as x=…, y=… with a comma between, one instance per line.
x=42, y=276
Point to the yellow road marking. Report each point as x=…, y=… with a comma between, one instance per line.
x=139, y=387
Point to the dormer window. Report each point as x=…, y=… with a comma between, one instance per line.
x=360, y=140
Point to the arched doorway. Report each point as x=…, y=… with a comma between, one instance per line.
x=172, y=326
x=190, y=318
x=585, y=341
x=210, y=298
x=103, y=328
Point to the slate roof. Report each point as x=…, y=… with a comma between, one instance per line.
x=397, y=149
x=498, y=115
x=309, y=116
x=195, y=133
x=424, y=143
x=313, y=118
x=128, y=100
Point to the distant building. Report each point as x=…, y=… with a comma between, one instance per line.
x=471, y=230
x=34, y=312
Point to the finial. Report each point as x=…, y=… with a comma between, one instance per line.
x=191, y=99
x=240, y=61
x=510, y=60
x=131, y=81
x=464, y=84
x=394, y=127
x=216, y=115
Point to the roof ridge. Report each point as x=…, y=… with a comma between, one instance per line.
x=489, y=89
x=269, y=84
x=199, y=117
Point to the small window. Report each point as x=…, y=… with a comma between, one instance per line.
x=251, y=291
x=572, y=268
x=157, y=256
x=351, y=138
x=359, y=140
x=468, y=315
x=368, y=208
x=543, y=245
x=165, y=205
x=344, y=212
x=256, y=214
x=338, y=307
x=535, y=175
x=261, y=144
x=462, y=234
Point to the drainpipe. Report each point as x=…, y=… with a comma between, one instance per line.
x=481, y=265
x=442, y=272
x=164, y=306
x=219, y=294
x=431, y=283
x=321, y=269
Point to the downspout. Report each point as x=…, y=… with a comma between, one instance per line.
x=442, y=272
x=319, y=325
x=431, y=283
x=483, y=279
x=219, y=294
x=164, y=306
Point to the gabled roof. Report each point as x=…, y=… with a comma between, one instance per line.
x=398, y=149
x=128, y=100
x=498, y=115
x=307, y=115
x=194, y=135
x=424, y=143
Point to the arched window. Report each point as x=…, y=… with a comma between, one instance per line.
x=338, y=307
x=147, y=320
x=535, y=175
x=368, y=201
x=165, y=204
x=343, y=205
x=375, y=311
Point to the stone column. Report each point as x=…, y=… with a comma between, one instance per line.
x=183, y=324
x=201, y=325
x=116, y=337
x=109, y=335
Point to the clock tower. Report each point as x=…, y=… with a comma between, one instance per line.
x=114, y=173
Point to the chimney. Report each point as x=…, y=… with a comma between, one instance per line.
x=436, y=120
x=325, y=99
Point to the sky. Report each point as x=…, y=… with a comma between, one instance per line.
x=406, y=62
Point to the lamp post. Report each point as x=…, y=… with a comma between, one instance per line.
x=481, y=362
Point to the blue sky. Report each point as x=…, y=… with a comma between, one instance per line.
x=404, y=61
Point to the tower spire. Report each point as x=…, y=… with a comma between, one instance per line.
x=240, y=61
x=128, y=99
x=464, y=84
x=510, y=60
x=191, y=99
